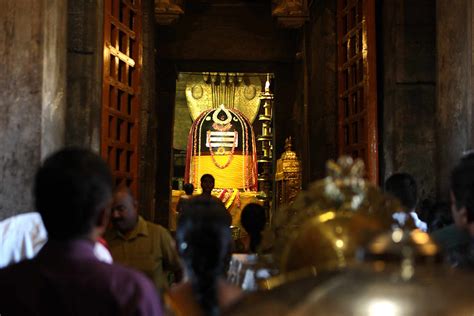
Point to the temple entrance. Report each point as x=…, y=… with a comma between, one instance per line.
x=223, y=127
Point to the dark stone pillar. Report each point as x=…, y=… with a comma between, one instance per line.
x=84, y=72
x=148, y=117
x=454, y=108
x=32, y=98
x=166, y=93
x=323, y=87
x=407, y=89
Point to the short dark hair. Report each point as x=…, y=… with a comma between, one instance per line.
x=207, y=176
x=403, y=187
x=70, y=189
x=188, y=188
x=462, y=187
x=253, y=220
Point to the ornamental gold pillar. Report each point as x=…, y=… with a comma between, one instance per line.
x=265, y=157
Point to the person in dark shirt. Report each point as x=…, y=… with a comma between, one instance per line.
x=207, y=185
x=184, y=199
x=73, y=192
x=253, y=220
x=462, y=208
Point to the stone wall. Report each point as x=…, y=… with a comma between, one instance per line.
x=84, y=73
x=226, y=30
x=32, y=99
x=407, y=88
x=454, y=98
x=314, y=107
x=425, y=89
x=322, y=86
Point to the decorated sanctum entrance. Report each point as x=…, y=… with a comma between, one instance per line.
x=223, y=128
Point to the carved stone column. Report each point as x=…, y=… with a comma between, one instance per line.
x=454, y=108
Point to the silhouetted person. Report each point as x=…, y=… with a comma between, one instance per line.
x=184, y=199
x=462, y=207
x=403, y=187
x=253, y=220
x=436, y=215
x=204, y=240
x=73, y=190
x=207, y=185
x=140, y=244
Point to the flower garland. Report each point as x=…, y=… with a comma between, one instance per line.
x=244, y=149
x=229, y=196
x=235, y=193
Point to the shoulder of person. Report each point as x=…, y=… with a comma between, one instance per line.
x=139, y=291
x=157, y=228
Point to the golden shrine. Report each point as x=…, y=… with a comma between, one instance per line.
x=287, y=176
x=221, y=140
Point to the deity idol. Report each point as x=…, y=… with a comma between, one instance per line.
x=221, y=142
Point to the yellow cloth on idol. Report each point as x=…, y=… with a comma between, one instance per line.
x=235, y=175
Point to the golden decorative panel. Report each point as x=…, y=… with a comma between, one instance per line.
x=233, y=90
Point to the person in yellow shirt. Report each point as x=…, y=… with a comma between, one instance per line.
x=140, y=244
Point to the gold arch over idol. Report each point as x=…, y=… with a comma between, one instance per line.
x=234, y=90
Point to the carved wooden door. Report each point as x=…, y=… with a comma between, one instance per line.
x=357, y=91
x=121, y=90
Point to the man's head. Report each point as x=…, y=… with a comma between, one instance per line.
x=253, y=218
x=403, y=187
x=462, y=193
x=189, y=188
x=124, y=214
x=72, y=192
x=207, y=183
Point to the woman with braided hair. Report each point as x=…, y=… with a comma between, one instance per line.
x=204, y=240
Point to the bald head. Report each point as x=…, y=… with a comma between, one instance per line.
x=124, y=210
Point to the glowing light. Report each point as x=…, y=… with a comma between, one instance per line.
x=267, y=84
x=382, y=307
x=339, y=243
x=326, y=216
x=420, y=237
x=397, y=235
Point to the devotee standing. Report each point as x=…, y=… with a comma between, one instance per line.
x=462, y=208
x=184, y=199
x=403, y=187
x=253, y=220
x=140, y=244
x=207, y=185
x=72, y=192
